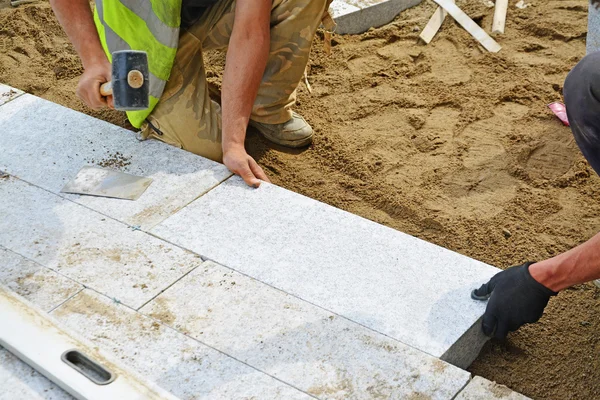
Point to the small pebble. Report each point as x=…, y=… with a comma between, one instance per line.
x=521, y=4
x=506, y=233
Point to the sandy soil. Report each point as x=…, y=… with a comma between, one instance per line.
x=446, y=142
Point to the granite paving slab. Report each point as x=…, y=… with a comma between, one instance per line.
x=358, y=16
x=18, y=381
x=88, y=247
x=481, y=389
x=406, y=288
x=299, y=343
x=175, y=362
x=38, y=284
x=8, y=93
x=47, y=144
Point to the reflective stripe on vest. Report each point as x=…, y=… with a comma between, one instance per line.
x=148, y=25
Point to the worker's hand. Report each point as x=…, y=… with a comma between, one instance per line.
x=88, y=88
x=516, y=299
x=240, y=163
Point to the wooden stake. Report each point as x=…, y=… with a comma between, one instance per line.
x=499, y=16
x=469, y=25
x=434, y=25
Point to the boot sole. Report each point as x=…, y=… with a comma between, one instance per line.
x=293, y=144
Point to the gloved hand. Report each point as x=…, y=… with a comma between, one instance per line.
x=516, y=299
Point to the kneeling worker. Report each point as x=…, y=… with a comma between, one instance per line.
x=268, y=45
x=520, y=294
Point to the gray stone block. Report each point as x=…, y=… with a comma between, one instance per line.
x=593, y=35
x=18, y=381
x=47, y=144
x=40, y=285
x=178, y=364
x=87, y=247
x=482, y=389
x=297, y=342
x=357, y=16
x=393, y=283
x=8, y=93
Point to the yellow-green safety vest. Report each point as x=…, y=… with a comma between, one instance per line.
x=147, y=25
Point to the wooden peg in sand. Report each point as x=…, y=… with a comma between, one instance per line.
x=499, y=16
x=434, y=25
x=469, y=25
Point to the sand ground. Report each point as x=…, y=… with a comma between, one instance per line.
x=443, y=141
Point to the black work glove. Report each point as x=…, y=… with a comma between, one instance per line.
x=516, y=299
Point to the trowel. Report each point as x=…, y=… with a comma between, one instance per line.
x=95, y=181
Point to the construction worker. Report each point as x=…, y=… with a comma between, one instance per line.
x=520, y=294
x=268, y=45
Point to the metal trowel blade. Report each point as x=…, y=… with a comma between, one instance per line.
x=94, y=181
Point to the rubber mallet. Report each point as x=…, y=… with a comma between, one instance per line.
x=130, y=86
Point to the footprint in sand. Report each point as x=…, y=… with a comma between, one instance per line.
x=449, y=65
x=477, y=193
x=367, y=65
x=553, y=154
x=437, y=129
x=483, y=141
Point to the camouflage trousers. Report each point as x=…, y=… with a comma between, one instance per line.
x=186, y=116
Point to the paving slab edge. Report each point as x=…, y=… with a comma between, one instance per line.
x=374, y=16
x=10, y=96
x=480, y=388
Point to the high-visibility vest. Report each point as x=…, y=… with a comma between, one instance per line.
x=148, y=25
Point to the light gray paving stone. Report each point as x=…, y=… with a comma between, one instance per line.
x=593, y=34
x=411, y=290
x=47, y=144
x=339, y=8
x=175, y=362
x=8, y=93
x=92, y=249
x=299, y=343
x=18, y=381
x=40, y=285
x=357, y=16
x=481, y=389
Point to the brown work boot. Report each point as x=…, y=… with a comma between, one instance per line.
x=294, y=133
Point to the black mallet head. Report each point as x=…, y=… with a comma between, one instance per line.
x=130, y=85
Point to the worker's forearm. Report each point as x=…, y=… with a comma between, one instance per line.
x=246, y=60
x=578, y=265
x=77, y=20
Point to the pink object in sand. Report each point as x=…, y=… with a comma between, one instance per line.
x=560, y=111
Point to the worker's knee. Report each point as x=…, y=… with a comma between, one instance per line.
x=582, y=99
x=584, y=78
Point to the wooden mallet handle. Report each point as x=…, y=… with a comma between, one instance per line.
x=106, y=89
